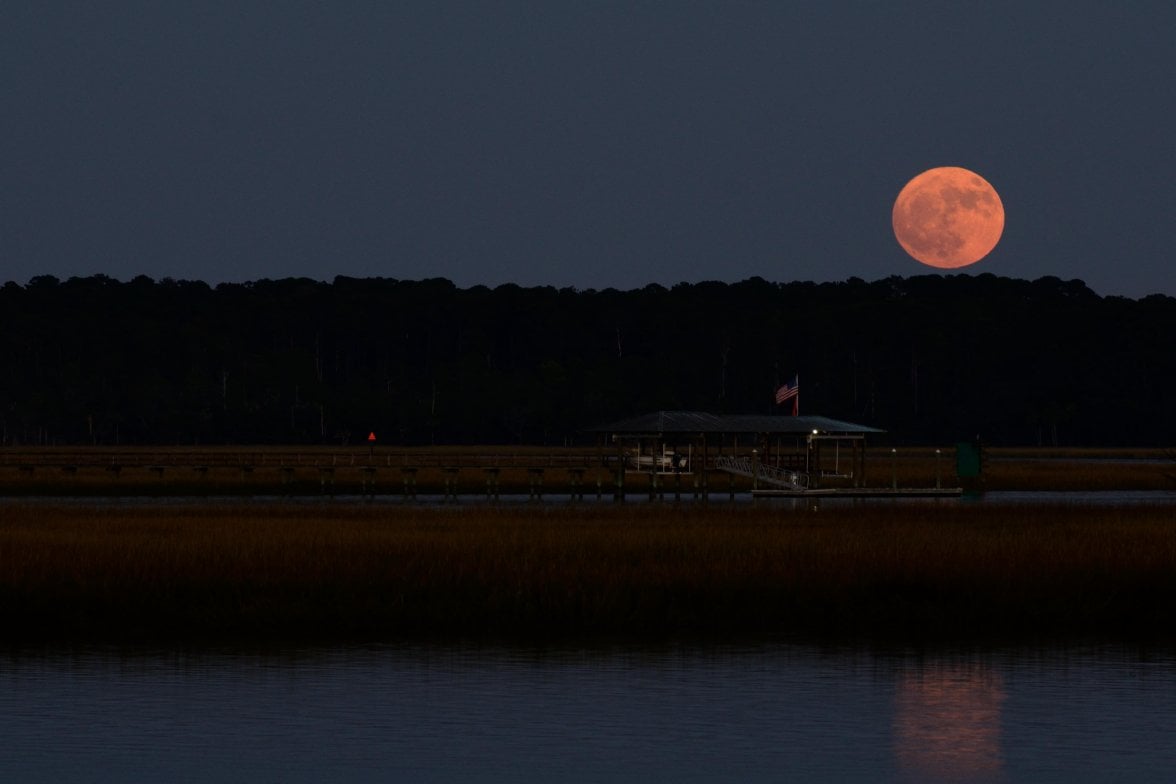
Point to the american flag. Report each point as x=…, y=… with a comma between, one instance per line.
x=789, y=391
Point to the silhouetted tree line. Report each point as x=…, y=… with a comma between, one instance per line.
x=932, y=359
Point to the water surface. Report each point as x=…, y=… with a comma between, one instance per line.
x=692, y=713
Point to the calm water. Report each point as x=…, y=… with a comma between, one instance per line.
x=771, y=712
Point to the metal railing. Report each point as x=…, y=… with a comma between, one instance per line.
x=769, y=474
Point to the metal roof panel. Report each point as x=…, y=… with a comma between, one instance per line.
x=661, y=422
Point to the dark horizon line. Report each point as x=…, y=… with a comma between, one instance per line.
x=852, y=279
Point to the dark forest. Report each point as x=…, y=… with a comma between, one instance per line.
x=931, y=359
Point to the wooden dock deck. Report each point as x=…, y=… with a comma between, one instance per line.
x=862, y=492
x=449, y=473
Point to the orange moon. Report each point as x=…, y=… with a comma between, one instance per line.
x=948, y=217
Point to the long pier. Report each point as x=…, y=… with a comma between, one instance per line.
x=448, y=474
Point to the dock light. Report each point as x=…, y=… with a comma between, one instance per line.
x=814, y=431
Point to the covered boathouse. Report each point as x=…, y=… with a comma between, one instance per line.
x=786, y=452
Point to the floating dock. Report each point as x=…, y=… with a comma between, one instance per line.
x=861, y=492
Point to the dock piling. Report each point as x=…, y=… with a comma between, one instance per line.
x=535, y=475
x=450, y=473
x=408, y=474
x=368, y=477
x=576, y=475
x=491, y=483
x=327, y=480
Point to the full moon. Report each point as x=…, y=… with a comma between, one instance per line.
x=948, y=217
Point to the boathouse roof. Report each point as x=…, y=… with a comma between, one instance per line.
x=700, y=422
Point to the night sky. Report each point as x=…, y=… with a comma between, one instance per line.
x=593, y=144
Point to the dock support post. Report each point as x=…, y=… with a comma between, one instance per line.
x=491, y=483
x=619, y=492
x=577, y=489
x=450, y=473
x=705, y=472
x=536, y=477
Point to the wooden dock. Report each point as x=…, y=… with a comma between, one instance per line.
x=448, y=473
x=862, y=492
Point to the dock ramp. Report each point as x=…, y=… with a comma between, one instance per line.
x=766, y=474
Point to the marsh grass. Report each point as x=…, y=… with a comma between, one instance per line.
x=276, y=571
x=1069, y=474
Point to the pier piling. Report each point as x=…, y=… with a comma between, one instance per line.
x=491, y=483
x=408, y=474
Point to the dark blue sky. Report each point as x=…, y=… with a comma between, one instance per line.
x=586, y=144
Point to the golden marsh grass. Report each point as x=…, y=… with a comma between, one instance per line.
x=934, y=570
